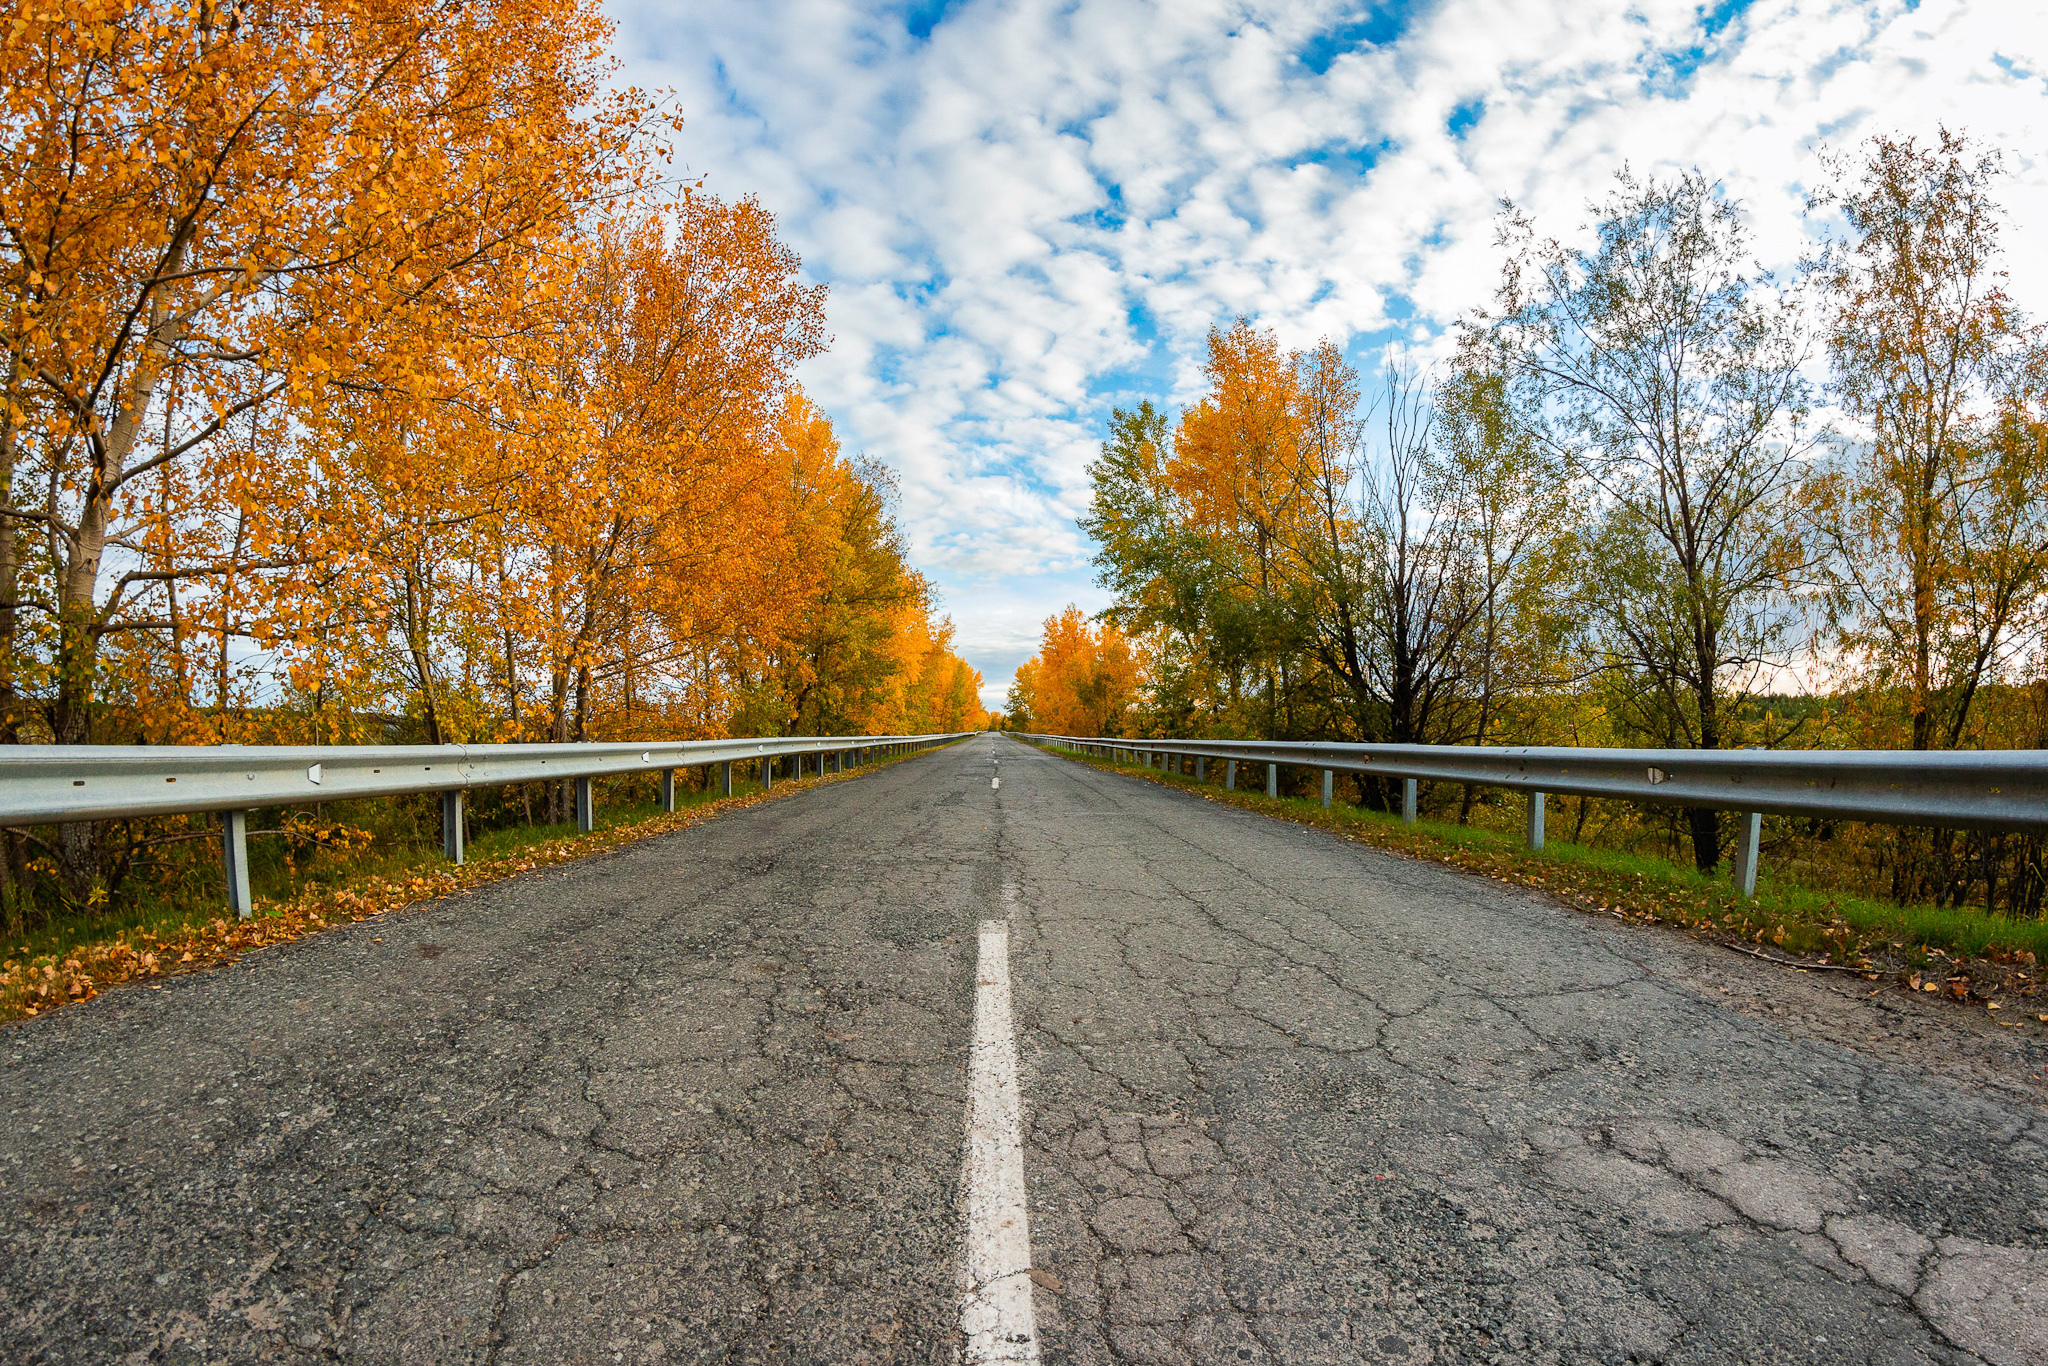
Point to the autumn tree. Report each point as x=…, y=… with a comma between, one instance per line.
x=208, y=211
x=1933, y=520
x=651, y=511
x=1511, y=491
x=1238, y=466
x=1082, y=681
x=1170, y=577
x=857, y=644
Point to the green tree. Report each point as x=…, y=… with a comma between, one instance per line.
x=1669, y=375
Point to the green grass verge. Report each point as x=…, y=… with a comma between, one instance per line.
x=1835, y=926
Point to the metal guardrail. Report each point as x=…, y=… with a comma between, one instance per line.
x=56, y=784
x=1959, y=789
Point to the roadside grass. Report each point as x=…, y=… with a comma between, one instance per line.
x=1952, y=950
x=74, y=957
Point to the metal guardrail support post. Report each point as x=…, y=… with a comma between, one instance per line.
x=1329, y=784
x=1535, y=825
x=1230, y=775
x=1272, y=780
x=1749, y=826
x=452, y=843
x=767, y=774
x=1408, y=801
x=234, y=855
x=1201, y=769
x=725, y=777
x=668, y=789
x=586, y=807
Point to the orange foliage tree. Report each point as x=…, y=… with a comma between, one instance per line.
x=1081, y=681
x=362, y=382
x=211, y=212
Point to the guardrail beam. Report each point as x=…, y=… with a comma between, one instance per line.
x=1995, y=790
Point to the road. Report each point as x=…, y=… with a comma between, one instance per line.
x=1280, y=1098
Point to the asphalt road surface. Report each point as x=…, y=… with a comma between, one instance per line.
x=1279, y=1098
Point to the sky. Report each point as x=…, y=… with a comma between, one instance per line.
x=1030, y=212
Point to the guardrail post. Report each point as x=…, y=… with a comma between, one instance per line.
x=1535, y=826
x=1273, y=780
x=586, y=807
x=1230, y=775
x=451, y=827
x=1749, y=826
x=725, y=777
x=668, y=789
x=1408, y=801
x=1329, y=781
x=1201, y=768
x=234, y=857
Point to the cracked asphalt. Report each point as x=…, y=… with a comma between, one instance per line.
x=1287, y=1100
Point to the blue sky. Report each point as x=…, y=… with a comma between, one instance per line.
x=1030, y=211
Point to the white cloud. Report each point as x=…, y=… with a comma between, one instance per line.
x=1042, y=208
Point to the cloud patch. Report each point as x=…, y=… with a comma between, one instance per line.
x=1029, y=211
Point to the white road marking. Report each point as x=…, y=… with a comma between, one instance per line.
x=994, y=784
x=995, y=1275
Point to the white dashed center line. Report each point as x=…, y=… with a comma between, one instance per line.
x=995, y=1310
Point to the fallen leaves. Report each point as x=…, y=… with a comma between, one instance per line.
x=37, y=987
